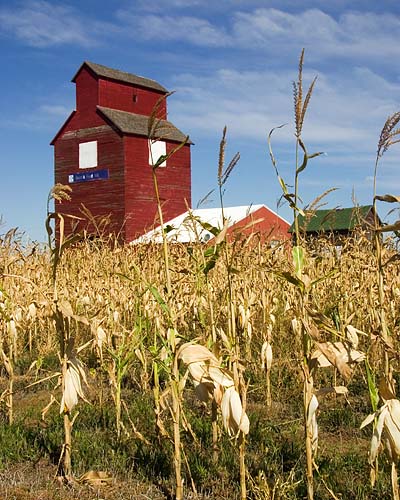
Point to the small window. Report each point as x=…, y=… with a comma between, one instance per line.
x=134, y=97
x=156, y=150
x=88, y=154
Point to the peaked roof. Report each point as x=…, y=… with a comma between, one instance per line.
x=121, y=76
x=132, y=123
x=186, y=228
x=336, y=219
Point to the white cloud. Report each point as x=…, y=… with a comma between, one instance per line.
x=46, y=117
x=42, y=24
x=345, y=115
x=353, y=34
x=272, y=31
x=194, y=30
x=55, y=110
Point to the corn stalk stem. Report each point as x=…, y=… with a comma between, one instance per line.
x=67, y=464
x=242, y=454
x=214, y=425
x=118, y=407
x=380, y=277
x=268, y=383
x=395, y=483
x=176, y=411
x=10, y=401
x=308, y=393
x=164, y=238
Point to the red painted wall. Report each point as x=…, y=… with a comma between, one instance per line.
x=101, y=197
x=120, y=96
x=271, y=227
x=174, y=183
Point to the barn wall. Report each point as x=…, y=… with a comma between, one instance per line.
x=271, y=227
x=174, y=186
x=86, y=96
x=120, y=96
x=102, y=197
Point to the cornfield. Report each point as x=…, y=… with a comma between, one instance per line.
x=230, y=370
x=114, y=301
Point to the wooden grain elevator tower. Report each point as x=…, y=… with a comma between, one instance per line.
x=103, y=152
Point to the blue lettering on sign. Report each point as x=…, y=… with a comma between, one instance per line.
x=88, y=176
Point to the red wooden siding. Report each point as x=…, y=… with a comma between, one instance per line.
x=120, y=96
x=270, y=226
x=87, y=97
x=174, y=183
x=101, y=197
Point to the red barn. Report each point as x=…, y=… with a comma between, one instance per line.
x=242, y=221
x=103, y=151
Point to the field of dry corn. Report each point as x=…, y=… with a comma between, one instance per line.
x=157, y=358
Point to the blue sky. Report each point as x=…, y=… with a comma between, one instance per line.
x=230, y=63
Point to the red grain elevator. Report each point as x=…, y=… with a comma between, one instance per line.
x=104, y=153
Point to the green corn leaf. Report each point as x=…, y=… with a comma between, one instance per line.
x=298, y=259
x=208, y=227
x=372, y=388
x=294, y=280
x=160, y=301
x=283, y=185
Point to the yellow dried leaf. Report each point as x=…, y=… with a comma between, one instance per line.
x=194, y=353
x=337, y=354
x=95, y=478
x=65, y=307
x=204, y=390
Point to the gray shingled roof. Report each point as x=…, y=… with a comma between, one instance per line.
x=122, y=76
x=132, y=123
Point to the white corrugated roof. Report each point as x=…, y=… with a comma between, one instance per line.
x=186, y=229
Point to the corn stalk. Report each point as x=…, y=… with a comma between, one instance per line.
x=299, y=278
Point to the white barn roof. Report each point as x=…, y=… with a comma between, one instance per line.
x=186, y=227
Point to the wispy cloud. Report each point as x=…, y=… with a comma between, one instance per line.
x=195, y=30
x=344, y=111
x=271, y=31
x=42, y=24
x=54, y=110
x=46, y=117
x=353, y=34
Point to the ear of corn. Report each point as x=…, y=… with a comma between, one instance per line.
x=266, y=356
x=73, y=385
x=233, y=416
x=387, y=428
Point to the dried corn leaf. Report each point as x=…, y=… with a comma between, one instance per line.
x=387, y=427
x=7, y=364
x=233, y=416
x=220, y=376
x=204, y=390
x=194, y=353
x=95, y=478
x=337, y=354
x=338, y=389
x=65, y=307
x=48, y=406
x=386, y=390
